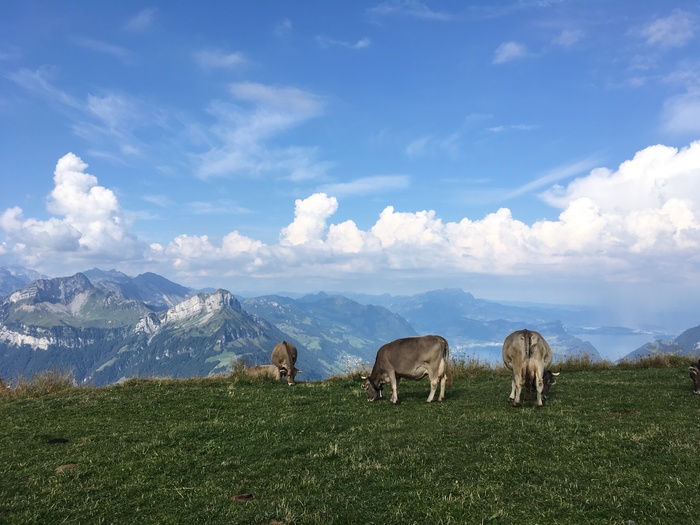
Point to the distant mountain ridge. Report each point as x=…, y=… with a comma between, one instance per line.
x=105, y=326
x=686, y=344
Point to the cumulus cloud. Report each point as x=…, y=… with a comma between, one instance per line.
x=88, y=222
x=635, y=223
x=509, y=51
x=309, y=219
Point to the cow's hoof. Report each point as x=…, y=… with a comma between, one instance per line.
x=515, y=404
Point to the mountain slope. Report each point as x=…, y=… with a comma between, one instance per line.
x=153, y=290
x=69, y=324
x=687, y=344
x=341, y=333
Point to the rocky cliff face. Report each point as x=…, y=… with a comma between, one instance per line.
x=55, y=291
x=201, y=305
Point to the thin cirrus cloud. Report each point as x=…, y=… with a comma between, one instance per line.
x=509, y=51
x=675, y=30
x=325, y=42
x=245, y=127
x=217, y=59
x=141, y=22
x=367, y=185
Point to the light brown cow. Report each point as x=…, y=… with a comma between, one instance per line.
x=695, y=376
x=284, y=357
x=264, y=371
x=411, y=358
x=527, y=355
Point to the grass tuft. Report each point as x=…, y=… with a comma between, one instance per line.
x=43, y=384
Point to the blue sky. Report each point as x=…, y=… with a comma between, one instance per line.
x=542, y=151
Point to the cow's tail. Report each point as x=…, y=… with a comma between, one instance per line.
x=446, y=361
x=529, y=377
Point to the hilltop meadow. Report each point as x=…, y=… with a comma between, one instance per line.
x=614, y=444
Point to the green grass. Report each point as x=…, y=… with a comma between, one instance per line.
x=613, y=444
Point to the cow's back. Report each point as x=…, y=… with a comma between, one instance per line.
x=403, y=355
x=284, y=355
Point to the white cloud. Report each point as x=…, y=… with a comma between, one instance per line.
x=327, y=42
x=244, y=129
x=123, y=55
x=310, y=216
x=681, y=114
x=141, y=22
x=639, y=222
x=675, y=30
x=367, y=185
x=411, y=8
x=568, y=37
x=88, y=222
x=509, y=51
x=217, y=59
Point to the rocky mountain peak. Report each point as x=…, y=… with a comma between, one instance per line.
x=62, y=290
x=202, y=304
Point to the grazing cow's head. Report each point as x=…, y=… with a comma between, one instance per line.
x=549, y=380
x=373, y=389
x=695, y=376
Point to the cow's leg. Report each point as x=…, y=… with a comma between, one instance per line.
x=433, y=387
x=442, y=376
x=511, y=397
x=394, y=388
x=518, y=386
x=539, y=375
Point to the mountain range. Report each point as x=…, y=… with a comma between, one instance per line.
x=104, y=327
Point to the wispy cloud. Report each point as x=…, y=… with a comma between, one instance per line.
x=429, y=145
x=324, y=41
x=245, y=128
x=675, y=30
x=217, y=59
x=39, y=83
x=141, y=22
x=509, y=51
x=556, y=175
x=367, y=185
x=568, y=37
x=411, y=8
x=123, y=55
x=217, y=207
x=513, y=127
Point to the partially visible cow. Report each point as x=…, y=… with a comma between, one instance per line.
x=527, y=355
x=284, y=357
x=695, y=376
x=410, y=358
x=264, y=371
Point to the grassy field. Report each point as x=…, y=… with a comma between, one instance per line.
x=613, y=445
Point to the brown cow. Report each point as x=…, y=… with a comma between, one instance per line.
x=695, y=376
x=527, y=355
x=284, y=357
x=264, y=371
x=412, y=358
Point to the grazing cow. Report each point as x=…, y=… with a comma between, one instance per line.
x=284, y=357
x=264, y=371
x=527, y=355
x=695, y=376
x=411, y=358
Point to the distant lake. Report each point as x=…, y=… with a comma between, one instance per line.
x=614, y=347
